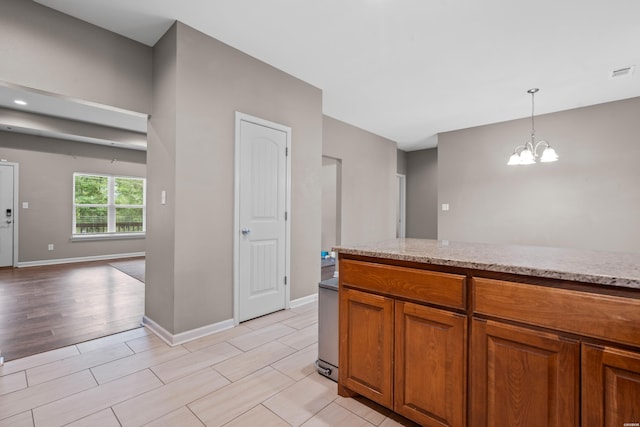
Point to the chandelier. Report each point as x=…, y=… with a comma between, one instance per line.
x=528, y=153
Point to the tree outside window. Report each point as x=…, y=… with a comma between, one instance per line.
x=108, y=204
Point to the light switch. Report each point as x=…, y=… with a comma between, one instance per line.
x=163, y=197
x=445, y=206
x=25, y=205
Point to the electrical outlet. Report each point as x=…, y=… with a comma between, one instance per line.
x=50, y=246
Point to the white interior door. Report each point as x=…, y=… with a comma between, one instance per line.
x=7, y=215
x=261, y=219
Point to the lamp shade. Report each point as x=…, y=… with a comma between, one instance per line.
x=549, y=155
x=526, y=157
x=514, y=159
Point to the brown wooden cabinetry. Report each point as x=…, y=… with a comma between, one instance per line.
x=430, y=365
x=522, y=378
x=449, y=349
x=610, y=387
x=366, y=345
x=407, y=356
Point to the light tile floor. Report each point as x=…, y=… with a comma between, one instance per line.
x=260, y=373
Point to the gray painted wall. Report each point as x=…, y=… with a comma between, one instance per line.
x=589, y=199
x=201, y=82
x=50, y=51
x=196, y=86
x=46, y=168
x=161, y=175
x=402, y=162
x=369, y=167
x=422, y=193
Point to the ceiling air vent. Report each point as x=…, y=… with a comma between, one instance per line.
x=621, y=72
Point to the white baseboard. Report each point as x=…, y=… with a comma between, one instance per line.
x=80, y=259
x=304, y=300
x=183, y=337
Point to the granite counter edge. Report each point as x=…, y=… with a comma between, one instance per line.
x=499, y=268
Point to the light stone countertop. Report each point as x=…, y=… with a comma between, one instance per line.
x=604, y=268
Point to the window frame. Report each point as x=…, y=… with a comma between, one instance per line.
x=111, y=209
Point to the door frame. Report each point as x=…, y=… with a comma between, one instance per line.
x=16, y=197
x=240, y=117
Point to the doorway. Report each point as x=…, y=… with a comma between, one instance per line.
x=331, y=212
x=401, y=206
x=262, y=203
x=8, y=214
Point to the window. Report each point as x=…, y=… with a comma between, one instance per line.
x=105, y=204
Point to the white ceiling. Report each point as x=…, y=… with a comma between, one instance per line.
x=409, y=69
x=56, y=106
x=44, y=103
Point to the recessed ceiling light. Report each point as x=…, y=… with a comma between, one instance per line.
x=19, y=102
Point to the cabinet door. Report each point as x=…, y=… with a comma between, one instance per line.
x=366, y=345
x=610, y=387
x=430, y=365
x=521, y=377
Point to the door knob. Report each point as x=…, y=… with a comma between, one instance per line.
x=245, y=231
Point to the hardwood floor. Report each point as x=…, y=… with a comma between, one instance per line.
x=48, y=307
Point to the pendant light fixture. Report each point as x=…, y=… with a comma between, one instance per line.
x=528, y=153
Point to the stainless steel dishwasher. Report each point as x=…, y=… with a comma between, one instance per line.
x=327, y=362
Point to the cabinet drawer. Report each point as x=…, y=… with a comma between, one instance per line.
x=419, y=285
x=607, y=317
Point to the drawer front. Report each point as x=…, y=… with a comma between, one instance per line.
x=611, y=318
x=419, y=285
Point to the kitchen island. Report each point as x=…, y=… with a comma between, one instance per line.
x=450, y=333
